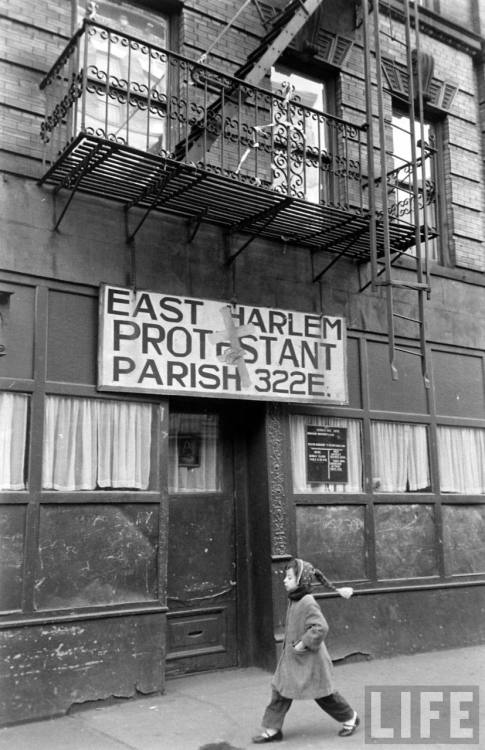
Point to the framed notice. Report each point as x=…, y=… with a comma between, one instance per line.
x=189, y=450
x=326, y=454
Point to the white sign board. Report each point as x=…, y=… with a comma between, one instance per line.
x=166, y=344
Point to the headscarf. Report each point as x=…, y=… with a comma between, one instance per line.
x=305, y=573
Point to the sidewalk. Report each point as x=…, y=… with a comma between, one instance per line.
x=222, y=710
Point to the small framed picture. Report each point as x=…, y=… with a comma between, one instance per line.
x=189, y=449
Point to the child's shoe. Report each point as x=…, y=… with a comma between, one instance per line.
x=265, y=737
x=349, y=727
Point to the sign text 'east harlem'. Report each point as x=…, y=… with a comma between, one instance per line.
x=159, y=343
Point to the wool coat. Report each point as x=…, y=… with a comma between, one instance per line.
x=309, y=673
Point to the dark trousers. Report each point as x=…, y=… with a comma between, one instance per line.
x=334, y=705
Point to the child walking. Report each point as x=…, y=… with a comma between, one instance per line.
x=305, y=669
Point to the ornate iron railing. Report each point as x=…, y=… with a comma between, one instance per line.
x=121, y=89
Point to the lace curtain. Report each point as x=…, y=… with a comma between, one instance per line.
x=461, y=455
x=91, y=444
x=13, y=438
x=298, y=424
x=201, y=432
x=399, y=457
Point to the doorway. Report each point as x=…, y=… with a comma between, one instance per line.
x=202, y=575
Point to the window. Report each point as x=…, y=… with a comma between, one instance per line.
x=399, y=457
x=402, y=208
x=13, y=440
x=349, y=451
x=194, y=453
x=301, y=136
x=91, y=444
x=127, y=80
x=461, y=455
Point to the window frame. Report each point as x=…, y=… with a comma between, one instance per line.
x=327, y=81
x=436, y=122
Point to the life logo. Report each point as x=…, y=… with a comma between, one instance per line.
x=421, y=714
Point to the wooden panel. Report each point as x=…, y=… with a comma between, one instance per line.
x=459, y=385
x=407, y=394
x=332, y=538
x=354, y=373
x=96, y=554
x=464, y=538
x=72, y=336
x=45, y=669
x=200, y=633
x=405, y=541
x=201, y=549
x=12, y=531
x=18, y=314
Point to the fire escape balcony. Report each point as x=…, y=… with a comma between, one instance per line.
x=147, y=127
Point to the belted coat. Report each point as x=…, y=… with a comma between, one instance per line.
x=309, y=673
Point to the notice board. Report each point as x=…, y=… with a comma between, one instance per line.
x=326, y=454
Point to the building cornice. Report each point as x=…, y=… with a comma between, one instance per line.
x=437, y=27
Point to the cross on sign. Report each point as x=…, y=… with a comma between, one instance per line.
x=234, y=354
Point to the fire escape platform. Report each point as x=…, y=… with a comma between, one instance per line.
x=109, y=170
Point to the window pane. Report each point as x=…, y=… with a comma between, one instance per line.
x=461, y=454
x=90, y=444
x=194, y=461
x=402, y=198
x=132, y=108
x=405, y=541
x=303, y=132
x=464, y=538
x=96, y=554
x=13, y=440
x=12, y=541
x=333, y=538
x=350, y=448
x=399, y=457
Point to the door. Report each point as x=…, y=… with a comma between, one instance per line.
x=201, y=576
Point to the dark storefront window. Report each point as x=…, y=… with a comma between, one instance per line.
x=13, y=440
x=405, y=541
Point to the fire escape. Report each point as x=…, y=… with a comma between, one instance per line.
x=144, y=126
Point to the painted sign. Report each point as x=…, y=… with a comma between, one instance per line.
x=326, y=453
x=166, y=344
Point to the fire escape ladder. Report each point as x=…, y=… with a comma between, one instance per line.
x=284, y=28
x=385, y=253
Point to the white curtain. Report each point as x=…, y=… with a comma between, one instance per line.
x=90, y=444
x=298, y=424
x=399, y=457
x=461, y=455
x=13, y=437
x=205, y=476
